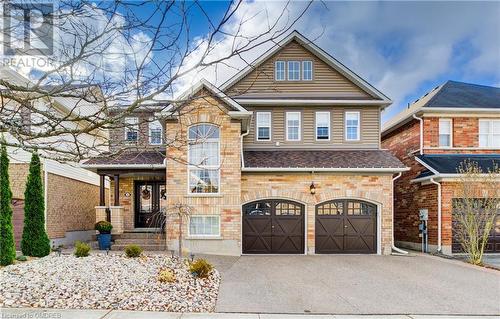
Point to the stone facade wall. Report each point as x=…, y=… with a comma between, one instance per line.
x=70, y=205
x=226, y=204
x=295, y=186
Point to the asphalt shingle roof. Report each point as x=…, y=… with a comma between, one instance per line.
x=466, y=95
x=129, y=158
x=321, y=159
x=449, y=163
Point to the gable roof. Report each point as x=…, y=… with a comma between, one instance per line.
x=451, y=96
x=318, y=52
x=203, y=83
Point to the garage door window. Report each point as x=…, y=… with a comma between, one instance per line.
x=331, y=208
x=288, y=209
x=358, y=208
x=257, y=209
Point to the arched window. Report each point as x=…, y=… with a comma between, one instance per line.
x=204, y=158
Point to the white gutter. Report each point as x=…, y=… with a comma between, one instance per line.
x=439, y=213
x=393, y=245
x=45, y=191
x=311, y=102
x=153, y=166
x=324, y=169
x=421, y=148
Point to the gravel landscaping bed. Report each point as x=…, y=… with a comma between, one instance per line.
x=106, y=282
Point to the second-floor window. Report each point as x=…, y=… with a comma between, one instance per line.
x=203, y=161
x=307, y=70
x=489, y=133
x=352, y=130
x=155, y=133
x=293, y=126
x=445, y=128
x=131, y=129
x=322, y=125
x=263, y=126
x=279, y=70
x=293, y=70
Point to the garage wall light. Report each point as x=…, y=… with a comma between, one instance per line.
x=312, y=188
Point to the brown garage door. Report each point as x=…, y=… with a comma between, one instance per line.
x=346, y=226
x=493, y=245
x=273, y=227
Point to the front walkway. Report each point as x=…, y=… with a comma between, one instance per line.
x=118, y=314
x=356, y=284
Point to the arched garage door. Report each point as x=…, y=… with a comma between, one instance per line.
x=273, y=227
x=346, y=226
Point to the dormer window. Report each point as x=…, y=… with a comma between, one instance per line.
x=293, y=70
x=279, y=70
x=131, y=129
x=307, y=70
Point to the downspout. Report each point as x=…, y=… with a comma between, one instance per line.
x=421, y=151
x=241, y=148
x=397, y=250
x=45, y=191
x=439, y=212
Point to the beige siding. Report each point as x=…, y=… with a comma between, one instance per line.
x=326, y=81
x=370, y=126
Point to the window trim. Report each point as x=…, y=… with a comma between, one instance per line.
x=490, y=133
x=151, y=135
x=450, y=121
x=288, y=70
x=127, y=128
x=358, y=132
x=300, y=126
x=202, y=236
x=316, y=126
x=201, y=167
x=276, y=70
x=312, y=70
x=257, y=137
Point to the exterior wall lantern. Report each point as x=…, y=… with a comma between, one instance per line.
x=312, y=188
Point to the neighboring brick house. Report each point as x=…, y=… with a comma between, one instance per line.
x=454, y=122
x=283, y=158
x=70, y=192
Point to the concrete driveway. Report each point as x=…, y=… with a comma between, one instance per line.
x=358, y=284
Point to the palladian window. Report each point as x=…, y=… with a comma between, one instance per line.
x=204, y=159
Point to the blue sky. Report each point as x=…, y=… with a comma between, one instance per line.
x=403, y=48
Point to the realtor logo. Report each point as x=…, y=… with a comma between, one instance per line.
x=28, y=28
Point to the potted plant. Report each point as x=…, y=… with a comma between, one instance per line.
x=104, y=237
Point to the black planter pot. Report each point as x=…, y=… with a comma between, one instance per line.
x=104, y=241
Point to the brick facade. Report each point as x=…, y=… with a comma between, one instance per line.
x=227, y=204
x=404, y=143
x=295, y=186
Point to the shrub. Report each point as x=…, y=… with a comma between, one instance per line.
x=166, y=275
x=21, y=258
x=81, y=249
x=35, y=241
x=103, y=227
x=133, y=251
x=7, y=245
x=200, y=268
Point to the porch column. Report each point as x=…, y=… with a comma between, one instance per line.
x=117, y=190
x=102, y=196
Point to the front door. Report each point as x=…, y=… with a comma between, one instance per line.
x=149, y=200
x=273, y=227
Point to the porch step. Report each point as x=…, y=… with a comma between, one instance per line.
x=146, y=247
x=138, y=235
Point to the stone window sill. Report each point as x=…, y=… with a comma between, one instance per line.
x=204, y=195
x=204, y=237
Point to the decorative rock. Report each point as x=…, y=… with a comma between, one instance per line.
x=106, y=282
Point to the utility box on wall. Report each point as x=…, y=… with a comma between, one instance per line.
x=423, y=214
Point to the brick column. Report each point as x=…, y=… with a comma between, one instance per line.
x=100, y=213
x=117, y=219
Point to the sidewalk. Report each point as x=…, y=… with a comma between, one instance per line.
x=18, y=313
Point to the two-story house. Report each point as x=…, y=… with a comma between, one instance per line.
x=433, y=136
x=70, y=192
x=283, y=158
